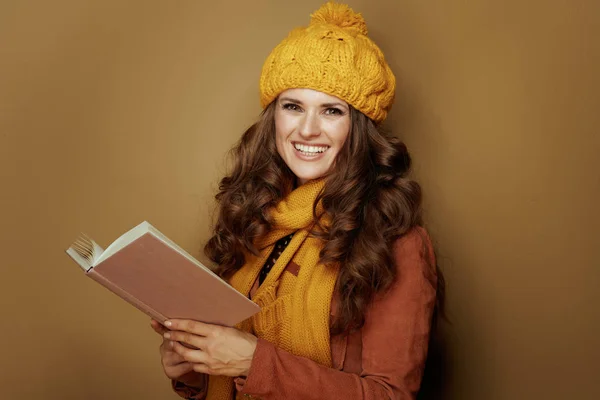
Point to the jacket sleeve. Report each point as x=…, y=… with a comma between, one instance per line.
x=188, y=392
x=394, y=342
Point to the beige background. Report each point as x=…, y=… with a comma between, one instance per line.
x=112, y=112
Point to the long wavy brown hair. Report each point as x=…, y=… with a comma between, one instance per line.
x=367, y=194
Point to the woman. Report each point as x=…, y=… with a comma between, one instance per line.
x=320, y=226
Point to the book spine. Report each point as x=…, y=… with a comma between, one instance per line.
x=152, y=313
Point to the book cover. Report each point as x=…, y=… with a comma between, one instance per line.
x=154, y=274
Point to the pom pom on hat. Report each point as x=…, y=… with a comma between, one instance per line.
x=340, y=15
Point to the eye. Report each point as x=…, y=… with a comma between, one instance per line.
x=334, y=111
x=291, y=107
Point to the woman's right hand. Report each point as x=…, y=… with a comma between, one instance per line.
x=174, y=365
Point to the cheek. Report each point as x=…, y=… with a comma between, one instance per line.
x=280, y=136
x=282, y=123
x=340, y=133
x=284, y=126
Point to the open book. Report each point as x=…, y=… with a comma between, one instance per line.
x=154, y=274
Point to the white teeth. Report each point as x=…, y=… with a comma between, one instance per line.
x=310, y=149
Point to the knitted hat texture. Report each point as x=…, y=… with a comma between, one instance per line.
x=334, y=55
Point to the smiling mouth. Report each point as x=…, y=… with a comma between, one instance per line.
x=310, y=150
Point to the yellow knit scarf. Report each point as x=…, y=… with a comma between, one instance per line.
x=295, y=310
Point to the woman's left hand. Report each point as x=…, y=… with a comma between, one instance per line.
x=218, y=350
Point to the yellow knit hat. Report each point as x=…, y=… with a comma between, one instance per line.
x=332, y=55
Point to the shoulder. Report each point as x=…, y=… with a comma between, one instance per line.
x=414, y=256
x=411, y=297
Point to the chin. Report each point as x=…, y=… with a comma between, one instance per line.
x=306, y=171
x=307, y=177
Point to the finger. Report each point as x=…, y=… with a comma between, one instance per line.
x=193, y=356
x=166, y=349
x=170, y=357
x=175, y=371
x=204, y=369
x=191, y=326
x=158, y=328
x=187, y=339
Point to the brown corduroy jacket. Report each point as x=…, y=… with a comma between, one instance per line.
x=383, y=360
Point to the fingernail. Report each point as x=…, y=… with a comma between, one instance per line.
x=168, y=323
x=167, y=335
x=171, y=343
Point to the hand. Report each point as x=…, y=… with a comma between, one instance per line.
x=217, y=350
x=174, y=365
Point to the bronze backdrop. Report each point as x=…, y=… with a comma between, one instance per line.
x=112, y=112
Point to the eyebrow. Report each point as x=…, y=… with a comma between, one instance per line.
x=325, y=105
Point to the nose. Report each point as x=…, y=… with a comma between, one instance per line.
x=310, y=126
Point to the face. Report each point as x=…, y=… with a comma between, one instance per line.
x=311, y=128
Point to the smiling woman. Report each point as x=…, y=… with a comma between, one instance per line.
x=320, y=226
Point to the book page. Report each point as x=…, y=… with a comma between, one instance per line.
x=85, y=252
x=97, y=252
x=123, y=240
x=83, y=263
